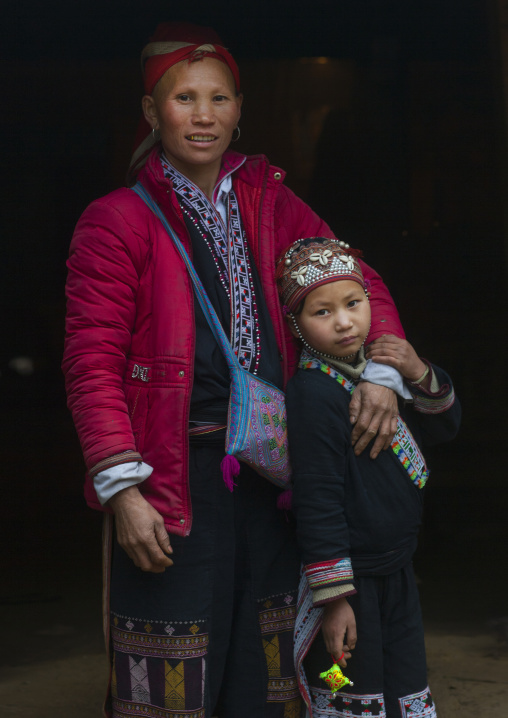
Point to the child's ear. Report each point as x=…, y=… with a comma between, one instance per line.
x=291, y=324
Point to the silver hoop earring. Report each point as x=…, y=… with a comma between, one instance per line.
x=154, y=136
x=238, y=136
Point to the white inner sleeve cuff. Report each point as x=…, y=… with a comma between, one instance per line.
x=386, y=376
x=108, y=483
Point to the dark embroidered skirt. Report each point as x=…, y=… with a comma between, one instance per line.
x=213, y=634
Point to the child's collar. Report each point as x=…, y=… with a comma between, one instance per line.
x=351, y=370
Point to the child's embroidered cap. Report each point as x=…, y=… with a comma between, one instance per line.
x=313, y=261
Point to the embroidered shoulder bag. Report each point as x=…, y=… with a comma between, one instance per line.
x=257, y=429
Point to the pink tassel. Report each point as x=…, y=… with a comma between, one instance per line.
x=230, y=468
x=285, y=500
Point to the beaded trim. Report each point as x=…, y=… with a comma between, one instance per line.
x=228, y=247
x=403, y=445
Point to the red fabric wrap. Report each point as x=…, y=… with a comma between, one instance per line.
x=157, y=65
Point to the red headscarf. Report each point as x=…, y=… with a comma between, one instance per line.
x=173, y=42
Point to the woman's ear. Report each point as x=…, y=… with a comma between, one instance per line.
x=150, y=111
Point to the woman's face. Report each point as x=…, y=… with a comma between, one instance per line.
x=195, y=108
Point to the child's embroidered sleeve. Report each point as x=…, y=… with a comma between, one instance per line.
x=330, y=579
x=435, y=406
x=430, y=394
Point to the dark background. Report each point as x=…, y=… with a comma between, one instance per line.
x=396, y=136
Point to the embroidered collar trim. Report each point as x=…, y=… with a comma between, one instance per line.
x=227, y=244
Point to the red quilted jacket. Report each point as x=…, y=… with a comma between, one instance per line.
x=129, y=347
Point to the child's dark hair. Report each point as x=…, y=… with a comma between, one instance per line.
x=299, y=309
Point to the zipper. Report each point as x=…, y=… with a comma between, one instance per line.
x=135, y=403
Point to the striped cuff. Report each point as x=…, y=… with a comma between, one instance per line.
x=115, y=460
x=321, y=596
x=434, y=400
x=326, y=574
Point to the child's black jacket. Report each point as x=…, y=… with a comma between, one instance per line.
x=348, y=506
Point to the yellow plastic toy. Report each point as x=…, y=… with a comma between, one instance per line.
x=335, y=679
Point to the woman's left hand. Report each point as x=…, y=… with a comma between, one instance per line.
x=373, y=410
x=397, y=353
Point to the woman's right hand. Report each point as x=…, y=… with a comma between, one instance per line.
x=140, y=530
x=339, y=629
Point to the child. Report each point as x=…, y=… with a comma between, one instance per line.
x=357, y=518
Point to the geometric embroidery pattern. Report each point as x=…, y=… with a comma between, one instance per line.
x=283, y=690
x=175, y=687
x=158, y=671
x=139, y=679
x=127, y=709
x=228, y=247
x=159, y=646
x=272, y=653
x=418, y=705
x=276, y=620
x=293, y=709
x=346, y=705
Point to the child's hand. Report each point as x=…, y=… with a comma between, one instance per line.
x=339, y=629
x=398, y=353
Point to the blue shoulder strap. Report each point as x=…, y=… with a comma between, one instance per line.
x=206, y=306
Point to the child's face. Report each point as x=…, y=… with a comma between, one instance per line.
x=335, y=318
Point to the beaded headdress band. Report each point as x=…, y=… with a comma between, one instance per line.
x=310, y=262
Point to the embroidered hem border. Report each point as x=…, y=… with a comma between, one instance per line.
x=131, y=709
x=346, y=705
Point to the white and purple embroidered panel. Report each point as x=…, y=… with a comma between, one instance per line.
x=139, y=679
x=228, y=247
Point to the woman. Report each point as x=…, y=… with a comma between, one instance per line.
x=148, y=388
